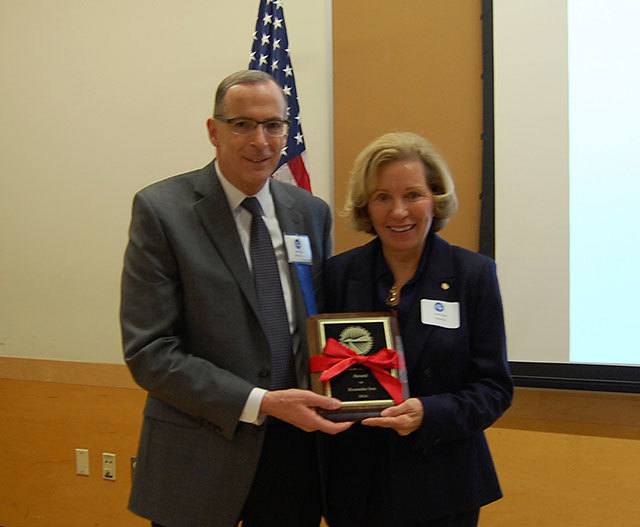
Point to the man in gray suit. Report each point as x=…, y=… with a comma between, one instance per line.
x=225, y=438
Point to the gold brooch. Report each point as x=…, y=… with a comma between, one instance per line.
x=393, y=298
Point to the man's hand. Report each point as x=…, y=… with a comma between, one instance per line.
x=403, y=418
x=298, y=407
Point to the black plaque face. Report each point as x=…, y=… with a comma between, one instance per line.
x=357, y=383
x=357, y=388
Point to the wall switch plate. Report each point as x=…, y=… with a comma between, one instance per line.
x=108, y=466
x=82, y=461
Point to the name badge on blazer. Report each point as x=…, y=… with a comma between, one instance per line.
x=440, y=313
x=298, y=248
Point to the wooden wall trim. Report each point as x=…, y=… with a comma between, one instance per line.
x=563, y=411
x=600, y=414
x=66, y=372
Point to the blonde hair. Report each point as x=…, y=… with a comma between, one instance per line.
x=394, y=147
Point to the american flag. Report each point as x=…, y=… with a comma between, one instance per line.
x=270, y=53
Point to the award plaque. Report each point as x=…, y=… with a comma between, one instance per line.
x=358, y=359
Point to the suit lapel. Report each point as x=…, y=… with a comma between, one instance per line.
x=439, y=271
x=217, y=219
x=360, y=290
x=291, y=221
x=290, y=218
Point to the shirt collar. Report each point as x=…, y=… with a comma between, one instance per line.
x=236, y=196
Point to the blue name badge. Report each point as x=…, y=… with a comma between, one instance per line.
x=299, y=254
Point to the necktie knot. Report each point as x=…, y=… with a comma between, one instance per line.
x=253, y=206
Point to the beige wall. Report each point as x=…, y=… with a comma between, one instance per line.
x=99, y=100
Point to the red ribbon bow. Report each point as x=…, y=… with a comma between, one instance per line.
x=336, y=358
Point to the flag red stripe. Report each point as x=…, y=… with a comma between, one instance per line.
x=300, y=174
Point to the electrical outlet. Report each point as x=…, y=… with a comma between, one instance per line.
x=109, y=466
x=82, y=461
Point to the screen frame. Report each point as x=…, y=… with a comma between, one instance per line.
x=591, y=377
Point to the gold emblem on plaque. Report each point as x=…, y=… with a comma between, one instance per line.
x=357, y=339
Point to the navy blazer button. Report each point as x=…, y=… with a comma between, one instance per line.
x=428, y=373
x=264, y=372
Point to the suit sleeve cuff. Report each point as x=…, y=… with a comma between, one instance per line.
x=251, y=411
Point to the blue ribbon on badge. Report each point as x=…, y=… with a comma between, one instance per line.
x=306, y=284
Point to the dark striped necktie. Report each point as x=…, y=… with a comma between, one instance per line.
x=270, y=299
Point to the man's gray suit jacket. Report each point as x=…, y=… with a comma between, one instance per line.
x=193, y=340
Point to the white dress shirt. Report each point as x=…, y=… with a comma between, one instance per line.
x=242, y=217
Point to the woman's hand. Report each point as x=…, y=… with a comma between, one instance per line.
x=403, y=418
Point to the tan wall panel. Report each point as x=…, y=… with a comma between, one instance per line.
x=567, y=458
x=42, y=425
x=564, y=480
x=413, y=65
x=564, y=458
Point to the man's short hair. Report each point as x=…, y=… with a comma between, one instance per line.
x=241, y=77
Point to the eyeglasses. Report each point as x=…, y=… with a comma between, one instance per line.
x=243, y=125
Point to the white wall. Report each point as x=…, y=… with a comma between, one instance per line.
x=98, y=100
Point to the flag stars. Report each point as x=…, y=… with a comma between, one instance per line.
x=270, y=52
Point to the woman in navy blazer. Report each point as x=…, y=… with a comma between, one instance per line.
x=424, y=462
